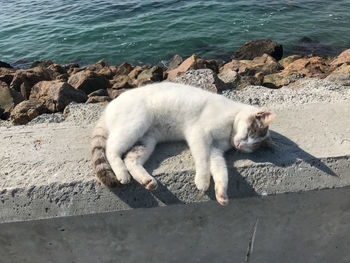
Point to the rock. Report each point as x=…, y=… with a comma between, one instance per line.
x=9, y=98
x=6, y=75
x=27, y=110
x=340, y=75
x=32, y=76
x=99, y=99
x=193, y=62
x=56, y=70
x=313, y=67
x=3, y=84
x=307, y=46
x=56, y=95
x=100, y=92
x=4, y=65
x=286, y=61
x=63, y=77
x=88, y=81
x=255, y=80
x=342, y=58
x=70, y=66
x=202, y=78
x=257, y=48
x=25, y=89
x=135, y=73
x=147, y=76
x=42, y=64
x=122, y=82
x=113, y=93
x=175, y=61
x=264, y=64
x=230, y=78
x=124, y=69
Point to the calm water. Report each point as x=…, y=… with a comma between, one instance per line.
x=149, y=31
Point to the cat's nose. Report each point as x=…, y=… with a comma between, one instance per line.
x=239, y=146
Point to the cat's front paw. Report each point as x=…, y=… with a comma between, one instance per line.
x=202, y=183
x=123, y=177
x=150, y=184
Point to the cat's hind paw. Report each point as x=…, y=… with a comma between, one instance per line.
x=150, y=184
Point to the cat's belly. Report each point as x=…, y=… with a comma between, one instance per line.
x=166, y=131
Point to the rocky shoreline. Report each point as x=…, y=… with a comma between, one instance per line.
x=47, y=87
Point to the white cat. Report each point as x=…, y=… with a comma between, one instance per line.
x=211, y=124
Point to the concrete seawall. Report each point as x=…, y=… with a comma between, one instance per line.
x=45, y=169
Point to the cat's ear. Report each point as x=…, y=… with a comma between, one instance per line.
x=265, y=117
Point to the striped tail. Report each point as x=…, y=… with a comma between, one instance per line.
x=103, y=169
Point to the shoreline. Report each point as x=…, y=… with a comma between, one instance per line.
x=47, y=87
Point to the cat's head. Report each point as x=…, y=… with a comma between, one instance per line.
x=251, y=131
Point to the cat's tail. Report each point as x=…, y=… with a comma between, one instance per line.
x=101, y=165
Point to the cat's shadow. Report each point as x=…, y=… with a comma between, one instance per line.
x=179, y=188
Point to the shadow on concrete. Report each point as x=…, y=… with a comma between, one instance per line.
x=286, y=153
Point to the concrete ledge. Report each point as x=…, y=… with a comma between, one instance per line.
x=45, y=169
x=310, y=227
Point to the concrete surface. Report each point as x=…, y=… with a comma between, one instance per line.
x=45, y=168
x=308, y=227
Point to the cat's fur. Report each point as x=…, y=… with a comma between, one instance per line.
x=211, y=124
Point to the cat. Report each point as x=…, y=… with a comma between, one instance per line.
x=133, y=123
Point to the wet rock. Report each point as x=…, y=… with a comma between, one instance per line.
x=202, y=78
x=42, y=64
x=100, y=92
x=9, y=98
x=56, y=95
x=4, y=65
x=286, y=61
x=257, y=48
x=70, y=66
x=153, y=74
x=175, y=61
x=27, y=110
x=193, y=62
x=307, y=46
x=88, y=81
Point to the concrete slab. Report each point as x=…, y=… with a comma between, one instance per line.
x=45, y=169
x=310, y=227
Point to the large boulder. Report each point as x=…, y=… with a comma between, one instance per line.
x=309, y=67
x=88, y=81
x=56, y=95
x=342, y=58
x=287, y=60
x=31, y=76
x=27, y=110
x=175, y=61
x=153, y=74
x=257, y=48
x=122, y=82
x=307, y=46
x=193, y=62
x=9, y=98
x=202, y=78
x=135, y=72
x=264, y=64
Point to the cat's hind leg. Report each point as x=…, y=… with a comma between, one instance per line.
x=135, y=159
x=118, y=143
x=218, y=170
